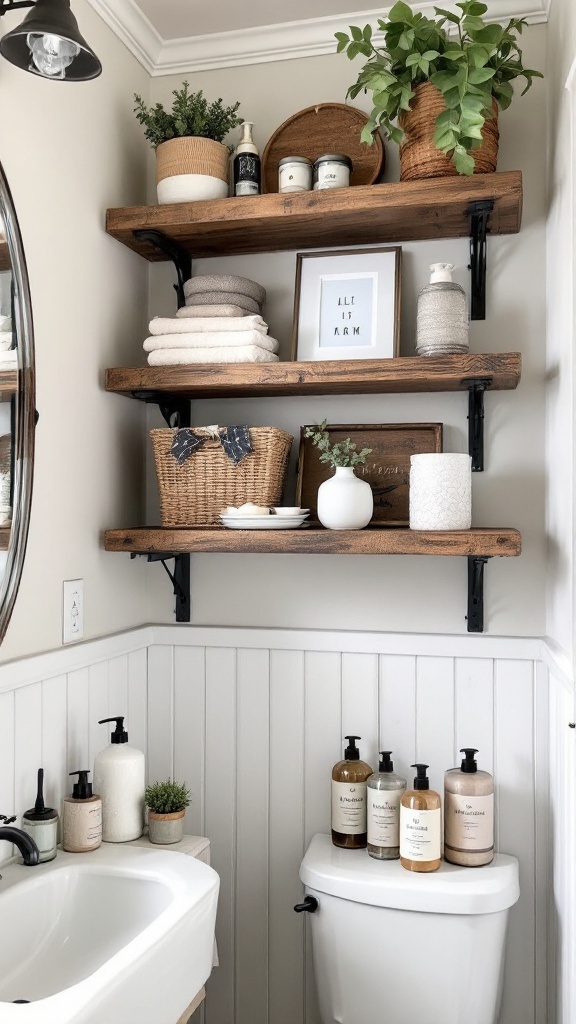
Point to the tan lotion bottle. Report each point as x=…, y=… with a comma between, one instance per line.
x=349, y=799
x=420, y=825
x=468, y=813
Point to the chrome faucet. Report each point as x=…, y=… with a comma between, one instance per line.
x=24, y=842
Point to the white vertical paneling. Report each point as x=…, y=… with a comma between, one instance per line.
x=252, y=794
x=160, y=712
x=7, y=732
x=513, y=766
x=360, y=702
x=118, y=689
x=285, y=928
x=27, y=745
x=435, y=717
x=138, y=699
x=398, y=711
x=98, y=707
x=189, y=730
x=221, y=820
x=55, y=742
x=77, y=720
x=474, y=727
x=541, y=826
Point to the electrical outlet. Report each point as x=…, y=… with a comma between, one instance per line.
x=72, y=611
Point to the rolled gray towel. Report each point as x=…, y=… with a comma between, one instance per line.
x=225, y=283
x=208, y=298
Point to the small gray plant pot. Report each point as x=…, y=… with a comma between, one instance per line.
x=165, y=829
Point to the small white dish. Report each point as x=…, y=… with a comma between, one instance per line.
x=289, y=510
x=262, y=522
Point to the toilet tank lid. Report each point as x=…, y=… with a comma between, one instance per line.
x=354, y=875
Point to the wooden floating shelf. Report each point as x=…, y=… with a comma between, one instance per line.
x=4, y=537
x=359, y=215
x=8, y=384
x=484, y=543
x=407, y=374
x=5, y=262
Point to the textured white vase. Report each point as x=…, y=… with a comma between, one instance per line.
x=344, y=501
x=440, y=491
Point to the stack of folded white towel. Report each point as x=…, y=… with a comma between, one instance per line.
x=220, y=323
x=8, y=355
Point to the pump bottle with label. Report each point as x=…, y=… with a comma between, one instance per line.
x=349, y=799
x=82, y=817
x=246, y=165
x=119, y=777
x=468, y=813
x=383, y=795
x=420, y=825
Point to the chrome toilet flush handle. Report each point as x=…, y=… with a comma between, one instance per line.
x=309, y=905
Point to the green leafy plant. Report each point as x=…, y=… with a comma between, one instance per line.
x=166, y=797
x=344, y=453
x=191, y=114
x=470, y=63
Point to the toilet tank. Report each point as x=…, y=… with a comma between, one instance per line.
x=392, y=946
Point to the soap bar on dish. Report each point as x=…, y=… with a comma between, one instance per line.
x=247, y=509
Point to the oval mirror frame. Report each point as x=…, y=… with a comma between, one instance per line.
x=23, y=407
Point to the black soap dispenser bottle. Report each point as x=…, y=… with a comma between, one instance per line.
x=41, y=823
x=349, y=798
x=246, y=166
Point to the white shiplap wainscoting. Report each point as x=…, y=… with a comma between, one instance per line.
x=253, y=720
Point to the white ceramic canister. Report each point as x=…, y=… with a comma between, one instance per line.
x=440, y=491
x=294, y=174
x=344, y=501
x=332, y=170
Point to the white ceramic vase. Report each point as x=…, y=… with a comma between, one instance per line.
x=344, y=501
x=440, y=491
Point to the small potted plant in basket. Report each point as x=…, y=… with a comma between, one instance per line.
x=166, y=802
x=344, y=501
x=437, y=85
x=191, y=160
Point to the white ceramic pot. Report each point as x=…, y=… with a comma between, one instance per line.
x=440, y=491
x=165, y=829
x=344, y=501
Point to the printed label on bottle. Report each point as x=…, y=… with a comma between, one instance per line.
x=349, y=808
x=247, y=188
x=469, y=822
x=383, y=812
x=420, y=834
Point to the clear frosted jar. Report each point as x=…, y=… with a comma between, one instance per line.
x=332, y=170
x=294, y=174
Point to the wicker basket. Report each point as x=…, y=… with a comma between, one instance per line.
x=192, y=155
x=419, y=157
x=195, y=493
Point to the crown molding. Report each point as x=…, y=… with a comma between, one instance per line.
x=287, y=41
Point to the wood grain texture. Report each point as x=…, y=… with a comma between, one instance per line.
x=363, y=215
x=5, y=261
x=8, y=384
x=310, y=541
x=407, y=374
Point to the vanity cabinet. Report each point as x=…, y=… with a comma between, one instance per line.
x=371, y=214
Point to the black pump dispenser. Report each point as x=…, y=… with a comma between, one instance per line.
x=469, y=764
x=352, y=753
x=40, y=812
x=119, y=735
x=385, y=765
x=421, y=781
x=82, y=790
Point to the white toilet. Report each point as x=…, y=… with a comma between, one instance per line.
x=392, y=946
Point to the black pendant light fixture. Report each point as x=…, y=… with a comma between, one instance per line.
x=48, y=42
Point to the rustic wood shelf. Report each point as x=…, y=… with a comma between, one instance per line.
x=500, y=371
x=361, y=215
x=5, y=262
x=8, y=384
x=480, y=543
x=5, y=537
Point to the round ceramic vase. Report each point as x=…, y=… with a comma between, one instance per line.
x=165, y=829
x=440, y=491
x=344, y=501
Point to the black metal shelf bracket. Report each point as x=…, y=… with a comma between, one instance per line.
x=180, y=258
x=180, y=579
x=475, y=614
x=174, y=409
x=476, y=388
x=479, y=214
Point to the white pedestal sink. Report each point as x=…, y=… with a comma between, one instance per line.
x=122, y=935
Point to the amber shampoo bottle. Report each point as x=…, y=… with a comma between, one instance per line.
x=420, y=825
x=349, y=798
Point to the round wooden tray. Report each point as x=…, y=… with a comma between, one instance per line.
x=324, y=128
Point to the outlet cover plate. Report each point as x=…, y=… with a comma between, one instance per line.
x=72, y=611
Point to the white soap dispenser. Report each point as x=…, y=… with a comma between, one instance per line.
x=119, y=778
x=442, y=317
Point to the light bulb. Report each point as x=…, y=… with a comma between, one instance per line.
x=51, y=54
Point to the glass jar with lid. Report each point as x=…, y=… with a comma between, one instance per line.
x=332, y=170
x=294, y=174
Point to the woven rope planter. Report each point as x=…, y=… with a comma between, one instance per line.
x=191, y=168
x=195, y=493
x=419, y=157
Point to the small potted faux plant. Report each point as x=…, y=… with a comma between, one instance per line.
x=191, y=160
x=344, y=501
x=437, y=85
x=166, y=802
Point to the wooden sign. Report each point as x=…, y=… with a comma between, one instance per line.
x=387, y=468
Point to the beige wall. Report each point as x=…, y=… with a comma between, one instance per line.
x=69, y=151
x=400, y=593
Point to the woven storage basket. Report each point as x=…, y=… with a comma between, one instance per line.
x=419, y=157
x=195, y=493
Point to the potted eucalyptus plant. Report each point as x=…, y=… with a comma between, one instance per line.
x=166, y=802
x=345, y=502
x=437, y=85
x=191, y=160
